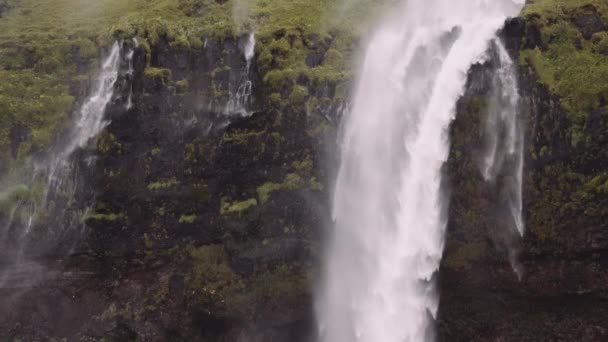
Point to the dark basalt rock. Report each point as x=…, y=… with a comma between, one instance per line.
x=17, y=135
x=589, y=22
x=561, y=295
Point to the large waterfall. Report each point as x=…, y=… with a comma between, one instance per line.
x=389, y=209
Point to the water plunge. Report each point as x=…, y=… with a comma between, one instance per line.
x=389, y=207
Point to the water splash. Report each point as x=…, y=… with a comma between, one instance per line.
x=504, y=137
x=389, y=209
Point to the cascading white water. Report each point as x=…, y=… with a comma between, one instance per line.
x=60, y=182
x=504, y=136
x=91, y=115
x=90, y=119
x=239, y=101
x=130, y=72
x=388, y=205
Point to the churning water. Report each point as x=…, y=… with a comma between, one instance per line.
x=389, y=209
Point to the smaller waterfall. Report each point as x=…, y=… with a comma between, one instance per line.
x=504, y=138
x=90, y=120
x=129, y=56
x=45, y=210
x=240, y=100
x=250, y=50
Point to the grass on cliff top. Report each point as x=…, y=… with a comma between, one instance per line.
x=559, y=7
x=572, y=66
x=48, y=47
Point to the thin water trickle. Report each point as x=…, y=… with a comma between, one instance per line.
x=239, y=101
x=389, y=208
x=504, y=143
x=504, y=136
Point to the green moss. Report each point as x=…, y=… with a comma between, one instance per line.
x=187, y=218
x=107, y=142
x=182, y=86
x=241, y=137
x=304, y=166
x=265, y=189
x=45, y=43
x=284, y=285
x=35, y=102
x=570, y=65
x=157, y=74
x=210, y=281
x=163, y=184
x=555, y=8
x=298, y=96
x=103, y=216
x=237, y=207
x=291, y=182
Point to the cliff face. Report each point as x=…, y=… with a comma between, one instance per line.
x=204, y=223
x=562, y=292
x=208, y=225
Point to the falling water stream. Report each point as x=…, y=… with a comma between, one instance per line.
x=389, y=208
x=504, y=136
x=504, y=143
x=239, y=101
x=90, y=119
x=59, y=181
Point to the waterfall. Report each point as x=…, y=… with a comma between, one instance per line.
x=504, y=140
x=89, y=121
x=52, y=214
x=389, y=208
x=129, y=56
x=239, y=101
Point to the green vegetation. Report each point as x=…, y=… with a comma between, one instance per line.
x=571, y=59
x=291, y=182
x=182, y=86
x=187, y=218
x=236, y=207
x=162, y=74
x=35, y=103
x=49, y=49
x=163, y=184
x=103, y=217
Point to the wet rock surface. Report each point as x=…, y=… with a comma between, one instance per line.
x=562, y=291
